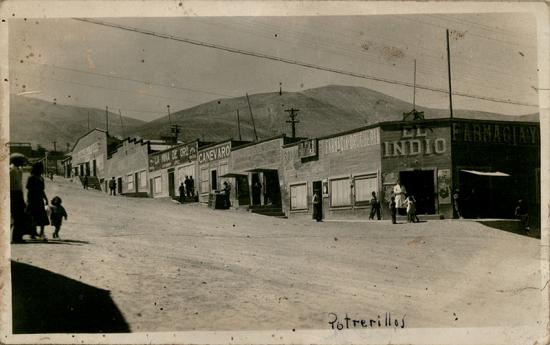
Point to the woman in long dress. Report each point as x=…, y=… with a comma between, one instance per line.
x=36, y=198
x=399, y=192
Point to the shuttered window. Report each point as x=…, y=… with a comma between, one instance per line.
x=158, y=185
x=143, y=179
x=204, y=181
x=340, y=192
x=298, y=197
x=130, y=179
x=364, y=186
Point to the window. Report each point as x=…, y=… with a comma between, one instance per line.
x=340, y=192
x=204, y=181
x=143, y=178
x=130, y=179
x=364, y=186
x=298, y=197
x=214, y=180
x=158, y=185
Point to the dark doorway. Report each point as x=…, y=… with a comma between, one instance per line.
x=171, y=184
x=94, y=168
x=151, y=191
x=318, y=187
x=272, y=188
x=87, y=168
x=213, y=180
x=243, y=192
x=489, y=196
x=119, y=185
x=256, y=189
x=420, y=183
x=136, y=182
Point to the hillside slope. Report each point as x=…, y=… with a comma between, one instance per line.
x=40, y=122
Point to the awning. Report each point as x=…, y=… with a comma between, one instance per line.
x=233, y=175
x=256, y=170
x=483, y=173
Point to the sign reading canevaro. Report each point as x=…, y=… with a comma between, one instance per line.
x=173, y=157
x=215, y=153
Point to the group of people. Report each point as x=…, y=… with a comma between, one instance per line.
x=400, y=200
x=35, y=213
x=187, y=188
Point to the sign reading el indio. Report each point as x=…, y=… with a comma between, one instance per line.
x=215, y=153
x=414, y=141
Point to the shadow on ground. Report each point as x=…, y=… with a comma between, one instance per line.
x=46, y=302
x=510, y=225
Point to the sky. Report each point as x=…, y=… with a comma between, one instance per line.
x=68, y=61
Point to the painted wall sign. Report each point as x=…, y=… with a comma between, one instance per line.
x=175, y=156
x=415, y=141
x=307, y=148
x=353, y=141
x=495, y=133
x=215, y=153
x=444, y=186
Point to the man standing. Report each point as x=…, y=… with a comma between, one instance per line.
x=85, y=182
x=317, y=207
x=192, y=186
x=182, y=191
x=227, y=193
x=112, y=186
x=17, y=202
x=375, y=207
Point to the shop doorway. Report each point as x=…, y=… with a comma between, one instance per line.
x=272, y=188
x=317, y=186
x=119, y=185
x=171, y=184
x=243, y=192
x=136, y=182
x=257, y=188
x=213, y=180
x=420, y=183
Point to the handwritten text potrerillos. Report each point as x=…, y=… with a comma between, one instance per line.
x=350, y=322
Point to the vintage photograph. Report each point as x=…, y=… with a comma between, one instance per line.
x=236, y=173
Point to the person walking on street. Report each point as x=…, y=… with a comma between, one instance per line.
x=375, y=207
x=317, y=207
x=57, y=214
x=36, y=198
x=85, y=182
x=17, y=202
x=112, y=186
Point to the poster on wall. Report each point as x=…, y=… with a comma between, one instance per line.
x=325, y=188
x=444, y=186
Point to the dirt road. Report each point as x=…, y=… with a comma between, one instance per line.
x=184, y=267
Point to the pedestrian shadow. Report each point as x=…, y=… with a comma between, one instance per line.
x=46, y=302
x=54, y=241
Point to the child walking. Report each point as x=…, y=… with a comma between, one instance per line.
x=393, y=209
x=57, y=215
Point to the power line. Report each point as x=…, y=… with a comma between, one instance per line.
x=133, y=80
x=295, y=62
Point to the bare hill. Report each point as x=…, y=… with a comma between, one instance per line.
x=323, y=111
x=40, y=122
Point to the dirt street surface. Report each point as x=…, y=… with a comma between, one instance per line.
x=186, y=267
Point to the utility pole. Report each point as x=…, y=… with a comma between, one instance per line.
x=107, y=119
x=280, y=89
x=252, y=117
x=292, y=114
x=449, y=70
x=121, y=124
x=175, y=129
x=414, y=86
x=54, y=147
x=239, y=124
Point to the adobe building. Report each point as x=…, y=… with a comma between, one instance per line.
x=168, y=168
x=213, y=163
x=493, y=164
x=344, y=168
x=257, y=169
x=129, y=164
x=89, y=155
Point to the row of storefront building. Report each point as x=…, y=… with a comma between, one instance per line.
x=492, y=164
